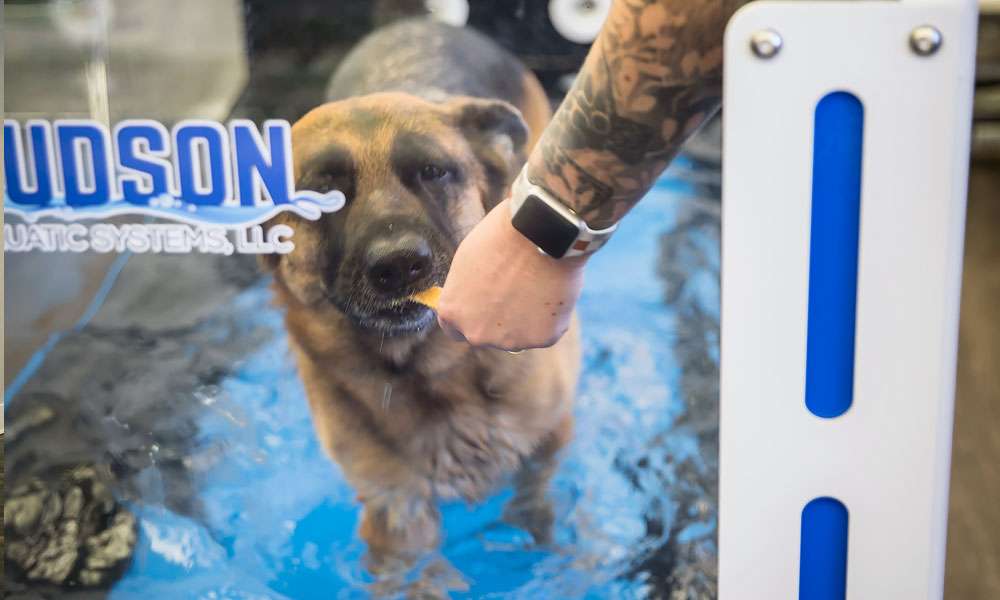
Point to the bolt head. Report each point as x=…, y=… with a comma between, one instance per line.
x=765, y=43
x=925, y=40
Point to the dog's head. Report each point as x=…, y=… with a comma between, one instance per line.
x=417, y=176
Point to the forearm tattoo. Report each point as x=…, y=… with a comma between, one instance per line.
x=652, y=77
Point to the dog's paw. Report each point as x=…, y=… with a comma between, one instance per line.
x=432, y=581
x=437, y=580
x=534, y=515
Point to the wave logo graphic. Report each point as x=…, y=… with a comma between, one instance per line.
x=199, y=173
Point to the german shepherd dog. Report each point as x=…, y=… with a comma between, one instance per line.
x=426, y=128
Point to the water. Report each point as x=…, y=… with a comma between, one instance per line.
x=250, y=507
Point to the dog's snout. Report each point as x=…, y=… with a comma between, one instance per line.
x=398, y=264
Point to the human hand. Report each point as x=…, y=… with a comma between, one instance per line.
x=503, y=293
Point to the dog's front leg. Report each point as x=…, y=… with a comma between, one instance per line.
x=531, y=508
x=398, y=525
x=401, y=527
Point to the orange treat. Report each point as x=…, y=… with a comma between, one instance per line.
x=428, y=297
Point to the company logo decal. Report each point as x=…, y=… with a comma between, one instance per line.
x=216, y=184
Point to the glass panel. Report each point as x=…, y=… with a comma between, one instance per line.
x=223, y=376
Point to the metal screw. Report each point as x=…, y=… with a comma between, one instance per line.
x=925, y=40
x=765, y=43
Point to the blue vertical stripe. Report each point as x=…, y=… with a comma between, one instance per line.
x=823, y=552
x=833, y=254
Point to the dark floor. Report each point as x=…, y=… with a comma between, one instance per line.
x=973, y=565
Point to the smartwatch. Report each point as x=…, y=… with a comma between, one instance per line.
x=549, y=224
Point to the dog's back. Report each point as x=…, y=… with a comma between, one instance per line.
x=434, y=61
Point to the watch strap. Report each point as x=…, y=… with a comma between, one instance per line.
x=588, y=240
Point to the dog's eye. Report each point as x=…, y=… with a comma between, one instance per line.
x=429, y=173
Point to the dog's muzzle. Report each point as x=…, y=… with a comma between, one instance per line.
x=398, y=265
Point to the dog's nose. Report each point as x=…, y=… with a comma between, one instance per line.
x=397, y=264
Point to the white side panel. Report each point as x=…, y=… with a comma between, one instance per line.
x=887, y=458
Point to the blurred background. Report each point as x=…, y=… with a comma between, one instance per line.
x=74, y=340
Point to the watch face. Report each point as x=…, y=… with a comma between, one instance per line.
x=544, y=226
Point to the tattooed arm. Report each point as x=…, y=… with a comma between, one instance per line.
x=651, y=78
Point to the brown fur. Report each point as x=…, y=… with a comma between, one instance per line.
x=419, y=417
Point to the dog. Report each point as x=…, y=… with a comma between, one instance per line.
x=426, y=127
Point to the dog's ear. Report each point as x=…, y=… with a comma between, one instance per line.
x=498, y=135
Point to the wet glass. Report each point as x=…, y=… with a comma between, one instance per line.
x=159, y=439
